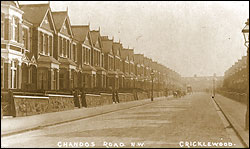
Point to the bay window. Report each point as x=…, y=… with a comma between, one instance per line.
x=25, y=38
x=2, y=25
x=13, y=74
x=2, y=73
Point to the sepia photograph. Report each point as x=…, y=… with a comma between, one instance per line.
x=124, y=74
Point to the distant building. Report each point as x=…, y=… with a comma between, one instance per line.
x=203, y=83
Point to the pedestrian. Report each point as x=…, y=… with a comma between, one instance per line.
x=84, y=102
x=117, y=97
x=12, y=103
x=113, y=95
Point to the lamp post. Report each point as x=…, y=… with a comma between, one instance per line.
x=152, y=91
x=245, y=32
x=214, y=78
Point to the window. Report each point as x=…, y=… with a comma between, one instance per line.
x=42, y=78
x=102, y=60
x=74, y=52
x=68, y=49
x=45, y=44
x=14, y=25
x=61, y=79
x=54, y=79
x=40, y=42
x=50, y=45
x=88, y=56
x=63, y=46
x=71, y=78
x=31, y=75
x=13, y=74
x=60, y=45
x=2, y=25
x=25, y=38
x=83, y=55
x=2, y=73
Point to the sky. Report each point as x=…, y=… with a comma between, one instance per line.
x=191, y=38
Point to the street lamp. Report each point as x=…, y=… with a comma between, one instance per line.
x=245, y=32
x=214, y=79
x=152, y=77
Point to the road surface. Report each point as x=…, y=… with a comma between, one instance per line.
x=172, y=122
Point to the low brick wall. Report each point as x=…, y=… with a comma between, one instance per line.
x=60, y=103
x=93, y=100
x=142, y=95
x=32, y=105
x=240, y=97
x=125, y=97
x=107, y=98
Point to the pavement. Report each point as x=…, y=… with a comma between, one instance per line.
x=165, y=122
x=235, y=112
x=19, y=124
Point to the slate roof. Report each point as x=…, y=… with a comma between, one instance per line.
x=107, y=44
x=131, y=54
x=94, y=35
x=31, y=16
x=59, y=17
x=80, y=32
x=124, y=53
x=116, y=47
x=47, y=59
x=138, y=58
x=98, y=68
x=12, y=3
x=88, y=68
x=67, y=61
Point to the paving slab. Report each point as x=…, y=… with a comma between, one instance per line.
x=19, y=124
x=235, y=112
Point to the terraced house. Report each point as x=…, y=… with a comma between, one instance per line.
x=85, y=56
x=45, y=54
x=235, y=78
x=139, y=70
x=98, y=59
x=64, y=52
x=13, y=53
x=125, y=67
x=117, y=47
x=112, y=75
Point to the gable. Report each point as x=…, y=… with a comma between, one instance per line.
x=47, y=22
x=66, y=28
x=118, y=52
x=87, y=41
x=97, y=44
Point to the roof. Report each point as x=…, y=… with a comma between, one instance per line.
x=119, y=72
x=124, y=53
x=35, y=18
x=66, y=61
x=88, y=68
x=80, y=31
x=47, y=59
x=107, y=44
x=138, y=58
x=12, y=3
x=98, y=68
x=94, y=35
x=111, y=72
x=59, y=18
x=116, y=46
